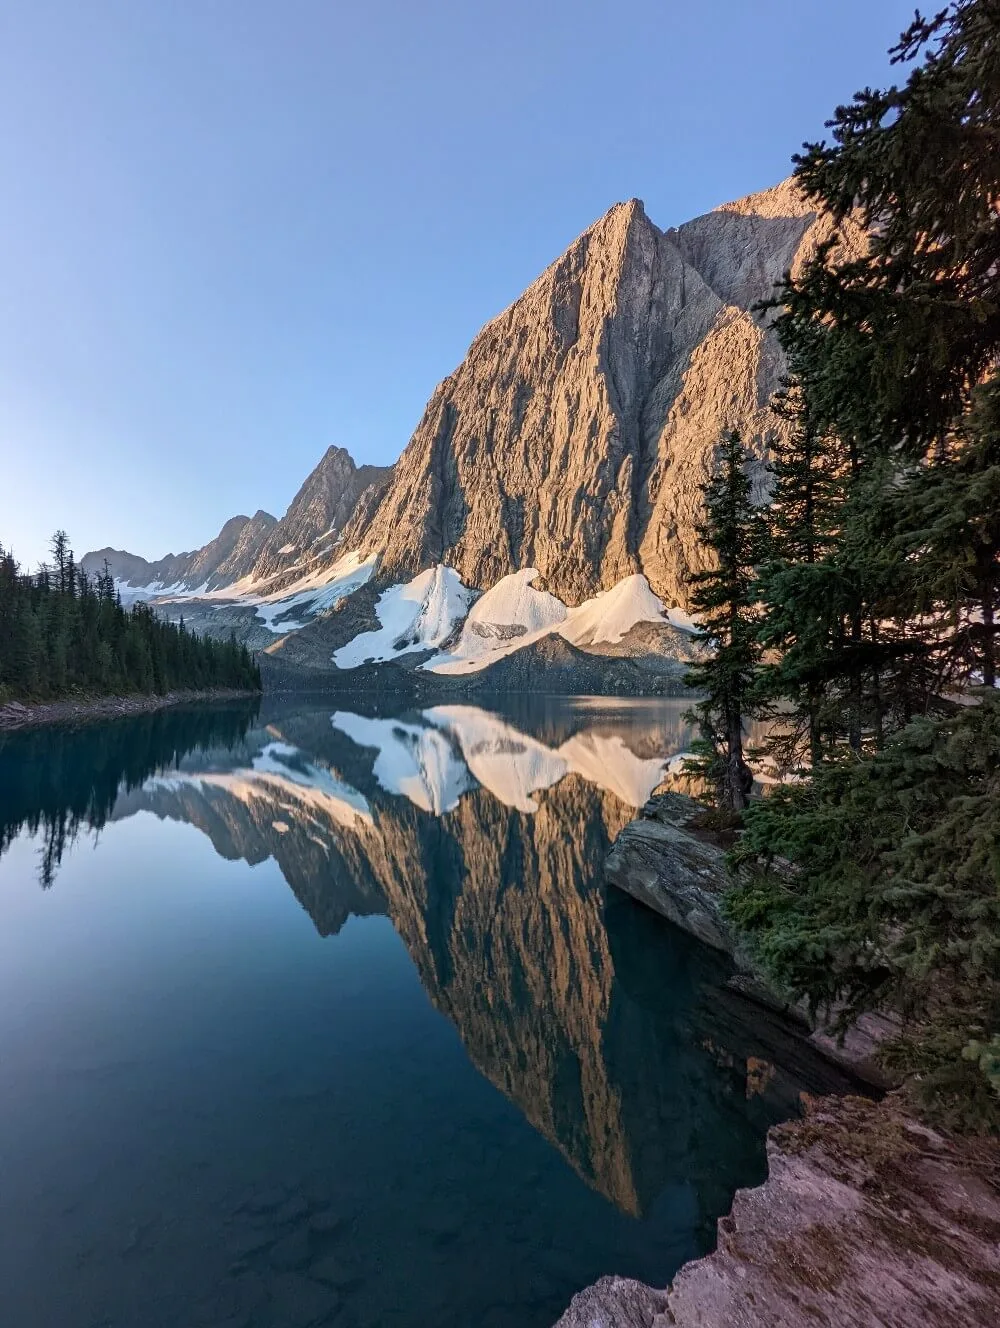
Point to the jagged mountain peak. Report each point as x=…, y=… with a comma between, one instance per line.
x=575, y=435
x=259, y=548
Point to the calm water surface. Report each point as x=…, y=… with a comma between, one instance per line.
x=313, y=1017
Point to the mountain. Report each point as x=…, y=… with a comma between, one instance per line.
x=575, y=435
x=311, y=528
x=259, y=548
x=201, y=569
x=552, y=488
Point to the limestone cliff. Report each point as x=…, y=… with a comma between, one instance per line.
x=575, y=435
x=867, y=1220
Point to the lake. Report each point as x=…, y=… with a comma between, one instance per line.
x=317, y=1016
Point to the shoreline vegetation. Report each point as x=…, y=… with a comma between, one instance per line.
x=65, y=634
x=856, y=609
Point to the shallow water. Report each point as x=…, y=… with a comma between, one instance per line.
x=314, y=1017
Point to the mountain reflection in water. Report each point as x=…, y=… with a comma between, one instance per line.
x=481, y=836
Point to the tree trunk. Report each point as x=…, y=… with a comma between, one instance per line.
x=989, y=626
x=737, y=776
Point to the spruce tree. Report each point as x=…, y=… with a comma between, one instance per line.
x=725, y=598
x=875, y=879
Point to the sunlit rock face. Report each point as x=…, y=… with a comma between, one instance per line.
x=260, y=550
x=575, y=435
x=482, y=838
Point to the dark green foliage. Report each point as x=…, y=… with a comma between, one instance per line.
x=877, y=882
x=875, y=879
x=64, y=780
x=725, y=598
x=60, y=634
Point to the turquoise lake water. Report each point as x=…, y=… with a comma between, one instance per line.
x=315, y=1016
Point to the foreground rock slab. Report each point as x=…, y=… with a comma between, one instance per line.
x=867, y=1220
x=657, y=860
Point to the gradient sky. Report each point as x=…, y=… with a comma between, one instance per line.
x=233, y=232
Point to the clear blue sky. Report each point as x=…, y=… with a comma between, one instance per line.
x=236, y=231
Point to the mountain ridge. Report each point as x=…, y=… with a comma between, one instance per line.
x=573, y=438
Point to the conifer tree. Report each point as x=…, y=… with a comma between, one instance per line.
x=876, y=879
x=725, y=598
x=67, y=635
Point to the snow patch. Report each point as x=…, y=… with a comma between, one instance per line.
x=513, y=615
x=611, y=614
x=311, y=594
x=509, y=616
x=417, y=615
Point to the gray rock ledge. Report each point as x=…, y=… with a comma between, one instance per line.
x=867, y=1220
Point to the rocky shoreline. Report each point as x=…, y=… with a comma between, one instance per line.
x=868, y=1219
x=80, y=710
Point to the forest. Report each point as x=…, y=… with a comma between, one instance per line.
x=857, y=610
x=63, y=633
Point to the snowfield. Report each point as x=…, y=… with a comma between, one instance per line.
x=311, y=594
x=279, y=610
x=513, y=615
x=425, y=614
x=417, y=615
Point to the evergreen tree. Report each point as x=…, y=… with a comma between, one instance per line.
x=725, y=598
x=877, y=883
x=875, y=879
x=64, y=634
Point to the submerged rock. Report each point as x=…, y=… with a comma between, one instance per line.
x=615, y=1302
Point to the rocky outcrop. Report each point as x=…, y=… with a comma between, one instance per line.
x=868, y=1219
x=666, y=862
x=615, y=1302
x=659, y=861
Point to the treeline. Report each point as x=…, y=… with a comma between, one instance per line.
x=62, y=632
x=62, y=781
x=858, y=610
